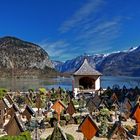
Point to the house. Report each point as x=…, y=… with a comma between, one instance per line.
x=86, y=79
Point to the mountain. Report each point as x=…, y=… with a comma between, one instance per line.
x=122, y=63
x=126, y=63
x=57, y=64
x=71, y=65
x=18, y=57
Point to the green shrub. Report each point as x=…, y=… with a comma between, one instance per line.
x=42, y=90
x=78, y=119
x=23, y=136
x=69, y=137
x=31, y=90
x=75, y=102
x=3, y=91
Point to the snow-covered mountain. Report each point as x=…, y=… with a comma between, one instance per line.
x=118, y=63
x=71, y=65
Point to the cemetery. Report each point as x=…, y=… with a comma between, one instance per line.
x=56, y=114
x=59, y=114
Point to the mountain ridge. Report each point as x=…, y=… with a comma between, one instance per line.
x=22, y=58
x=126, y=63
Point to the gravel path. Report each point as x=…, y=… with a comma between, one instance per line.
x=70, y=129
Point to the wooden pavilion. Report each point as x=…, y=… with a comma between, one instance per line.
x=86, y=79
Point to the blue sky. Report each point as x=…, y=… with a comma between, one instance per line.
x=68, y=28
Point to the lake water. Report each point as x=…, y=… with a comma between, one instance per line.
x=25, y=84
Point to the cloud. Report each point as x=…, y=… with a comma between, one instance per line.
x=55, y=49
x=101, y=29
x=90, y=30
x=97, y=38
x=59, y=50
x=92, y=6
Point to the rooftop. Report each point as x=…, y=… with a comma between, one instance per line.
x=86, y=69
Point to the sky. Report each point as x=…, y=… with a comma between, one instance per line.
x=69, y=28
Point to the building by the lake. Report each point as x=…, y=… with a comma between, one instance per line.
x=86, y=79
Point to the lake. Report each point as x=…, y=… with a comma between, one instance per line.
x=25, y=84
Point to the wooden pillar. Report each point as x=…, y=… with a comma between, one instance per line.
x=58, y=116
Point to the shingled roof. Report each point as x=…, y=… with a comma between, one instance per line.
x=86, y=69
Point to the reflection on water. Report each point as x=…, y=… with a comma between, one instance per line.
x=25, y=84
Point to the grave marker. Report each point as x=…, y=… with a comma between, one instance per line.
x=88, y=127
x=58, y=106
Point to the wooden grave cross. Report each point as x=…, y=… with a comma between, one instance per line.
x=38, y=102
x=58, y=106
x=71, y=109
x=88, y=127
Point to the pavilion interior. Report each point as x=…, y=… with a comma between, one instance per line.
x=87, y=83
